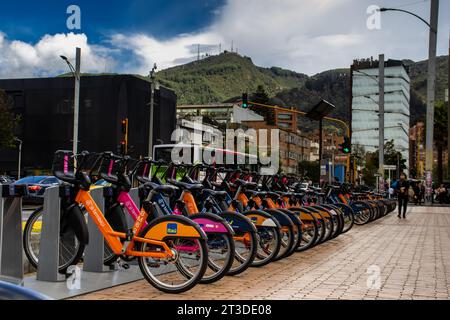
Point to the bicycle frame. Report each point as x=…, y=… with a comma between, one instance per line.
x=112, y=237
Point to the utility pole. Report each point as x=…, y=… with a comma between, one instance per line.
x=381, y=119
x=152, y=107
x=19, y=165
x=76, y=109
x=448, y=111
x=431, y=83
x=332, y=155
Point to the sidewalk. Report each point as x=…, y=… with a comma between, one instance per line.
x=412, y=255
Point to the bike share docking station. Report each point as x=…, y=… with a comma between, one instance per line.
x=93, y=275
x=11, y=257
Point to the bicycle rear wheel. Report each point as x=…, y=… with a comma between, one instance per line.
x=309, y=228
x=188, y=264
x=245, y=241
x=70, y=248
x=268, y=236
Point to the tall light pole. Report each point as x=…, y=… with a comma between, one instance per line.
x=381, y=118
x=76, y=104
x=431, y=82
x=19, y=165
x=152, y=105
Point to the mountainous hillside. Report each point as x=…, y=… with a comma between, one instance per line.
x=418, y=74
x=221, y=77
x=226, y=76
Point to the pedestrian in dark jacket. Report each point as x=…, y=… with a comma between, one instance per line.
x=402, y=191
x=416, y=189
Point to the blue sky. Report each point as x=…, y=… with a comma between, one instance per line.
x=307, y=36
x=160, y=17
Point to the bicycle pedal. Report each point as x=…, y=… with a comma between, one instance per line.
x=126, y=266
x=153, y=265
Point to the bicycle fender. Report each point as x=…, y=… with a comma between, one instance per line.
x=172, y=225
x=238, y=222
x=211, y=223
x=75, y=218
x=262, y=219
x=282, y=217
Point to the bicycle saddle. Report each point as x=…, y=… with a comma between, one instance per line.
x=245, y=184
x=186, y=186
x=215, y=193
x=165, y=189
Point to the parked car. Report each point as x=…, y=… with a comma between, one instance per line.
x=6, y=180
x=36, y=187
x=9, y=291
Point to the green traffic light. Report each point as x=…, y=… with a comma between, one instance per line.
x=244, y=105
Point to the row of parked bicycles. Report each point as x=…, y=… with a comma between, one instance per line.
x=193, y=223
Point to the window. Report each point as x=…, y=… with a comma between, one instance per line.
x=284, y=116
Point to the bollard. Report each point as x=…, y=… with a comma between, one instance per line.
x=49, y=247
x=93, y=256
x=11, y=259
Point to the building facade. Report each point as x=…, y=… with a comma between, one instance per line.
x=365, y=108
x=46, y=109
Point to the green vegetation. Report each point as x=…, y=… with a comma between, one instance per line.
x=224, y=77
x=219, y=78
x=440, y=136
x=8, y=122
x=390, y=158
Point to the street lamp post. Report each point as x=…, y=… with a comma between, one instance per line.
x=381, y=118
x=152, y=105
x=431, y=82
x=76, y=105
x=19, y=164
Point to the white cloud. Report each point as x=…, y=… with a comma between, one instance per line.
x=165, y=53
x=20, y=59
x=307, y=36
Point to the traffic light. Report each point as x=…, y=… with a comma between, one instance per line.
x=125, y=126
x=244, y=100
x=122, y=148
x=346, y=146
x=124, y=143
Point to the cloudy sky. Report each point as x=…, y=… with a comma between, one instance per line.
x=307, y=36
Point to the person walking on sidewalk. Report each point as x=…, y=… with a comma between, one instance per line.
x=402, y=192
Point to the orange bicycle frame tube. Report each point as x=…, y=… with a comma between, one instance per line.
x=189, y=201
x=112, y=237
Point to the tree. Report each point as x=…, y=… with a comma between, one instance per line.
x=260, y=96
x=8, y=122
x=440, y=136
x=391, y=157
x=309, y=169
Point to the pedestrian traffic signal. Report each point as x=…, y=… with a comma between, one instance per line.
x=346, y=146
x=244, y=100
x=124, y=142
x=125, y=126
x=122, y=148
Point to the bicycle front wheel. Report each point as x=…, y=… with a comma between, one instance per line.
x=70, y=249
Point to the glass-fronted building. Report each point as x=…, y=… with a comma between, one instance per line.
x=365, y=119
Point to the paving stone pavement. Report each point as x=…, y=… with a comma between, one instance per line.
x=412, y=257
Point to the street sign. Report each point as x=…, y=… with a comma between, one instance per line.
x=390, y=167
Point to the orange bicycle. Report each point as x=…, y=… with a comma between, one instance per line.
x=156, y=246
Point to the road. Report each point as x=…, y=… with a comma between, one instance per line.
x=388, y=259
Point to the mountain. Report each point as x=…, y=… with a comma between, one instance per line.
x=418, y=74
x=224, y=77
x=221, y=77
